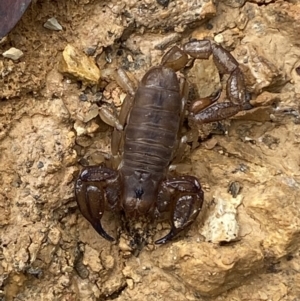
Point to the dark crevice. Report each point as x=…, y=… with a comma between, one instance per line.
x=264, y=3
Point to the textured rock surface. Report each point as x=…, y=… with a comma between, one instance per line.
x=48, y=124
x=76, y=64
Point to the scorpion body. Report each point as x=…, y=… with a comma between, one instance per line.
x=141, y=187
x=150, y=138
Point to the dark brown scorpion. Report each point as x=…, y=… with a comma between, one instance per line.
x=141, y=187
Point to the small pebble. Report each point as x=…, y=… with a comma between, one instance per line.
x=123, y=245
x=130, y=283
x=159, y=227
x=40, y=165
x=90, y=50
x=13, y=53
x=83, y=97
x=53, y=24
x=219, y=38
x=163, y=3
x=209, y=26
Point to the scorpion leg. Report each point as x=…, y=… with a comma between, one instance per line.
x=118, y=122
x=237, y=99
x=183, y=197
x=175, y=59
x=117, y=138
x=97, y=188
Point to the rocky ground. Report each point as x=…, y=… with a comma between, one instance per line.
x=245, y=243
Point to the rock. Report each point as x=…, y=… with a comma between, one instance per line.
x=261, y=71
x=91, y=259
x=219, y=38
x=278, y=215
x=209, y=269
x=91, y=113
x=53, y=24
x=205, y=78
x=13, y=53
x=80, y=128
x=177, y=15
x=54, y=236
x=222, y=225
x=76, y=64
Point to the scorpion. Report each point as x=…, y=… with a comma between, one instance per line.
x=141, y=187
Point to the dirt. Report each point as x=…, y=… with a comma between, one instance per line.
x=245, y=243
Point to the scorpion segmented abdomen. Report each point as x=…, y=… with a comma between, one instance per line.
x=152, y=129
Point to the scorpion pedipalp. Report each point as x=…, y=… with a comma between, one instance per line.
x=183, y=197
x=96, y=189
x=236, y=90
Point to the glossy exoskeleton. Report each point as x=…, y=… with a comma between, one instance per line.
x=141, y=187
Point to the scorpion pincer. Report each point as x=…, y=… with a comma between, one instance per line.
x=141, y=187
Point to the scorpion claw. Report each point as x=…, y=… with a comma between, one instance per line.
x=168, y=237
x=91, y=195
x=98, y=227
x=184, y=196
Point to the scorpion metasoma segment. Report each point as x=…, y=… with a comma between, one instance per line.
x=141, y=187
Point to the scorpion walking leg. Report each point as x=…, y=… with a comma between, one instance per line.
x=183, y=196
x=128, y=86
x=117, y=136
x=96, y=189
x=236, y=90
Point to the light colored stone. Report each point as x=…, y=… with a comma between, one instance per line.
x=221, y=225
x=219, y=38
x=53, y=24
x=80, y=128
x=54, y=236
x=13, y=53
x=92, y=259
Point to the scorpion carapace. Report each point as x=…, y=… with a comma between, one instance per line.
x=141, y=187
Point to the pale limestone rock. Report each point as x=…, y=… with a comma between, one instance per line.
x=80, y=128
x=13, y=53
x=177, y=15
x=221, y=225
x=53, y=24
x=260, y=70
x=219, y=38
